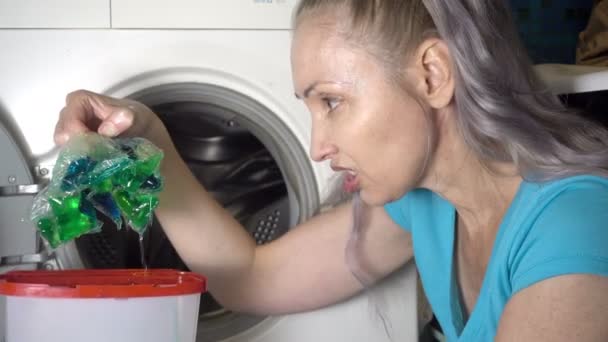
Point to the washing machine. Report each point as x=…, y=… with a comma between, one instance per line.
x=218, y=74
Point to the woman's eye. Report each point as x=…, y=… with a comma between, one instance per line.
x=331, y=103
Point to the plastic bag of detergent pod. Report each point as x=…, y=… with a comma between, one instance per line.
x=95, y=175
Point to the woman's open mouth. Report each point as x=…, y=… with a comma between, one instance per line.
x=351, y=182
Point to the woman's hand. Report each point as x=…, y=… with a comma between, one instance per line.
x=86, y=111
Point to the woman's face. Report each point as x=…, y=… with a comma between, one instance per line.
x=364, y=123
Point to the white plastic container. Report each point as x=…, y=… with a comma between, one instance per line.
x=101, y=305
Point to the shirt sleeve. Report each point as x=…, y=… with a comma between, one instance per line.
x=399, y=211
x=569, y=236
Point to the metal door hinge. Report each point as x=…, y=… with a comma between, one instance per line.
x=20, y=190
x=44, y=259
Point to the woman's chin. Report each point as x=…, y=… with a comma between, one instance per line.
x=372, y=198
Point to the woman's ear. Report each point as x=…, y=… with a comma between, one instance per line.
x=434, y=73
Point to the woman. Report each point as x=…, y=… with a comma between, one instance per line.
x=431, y=109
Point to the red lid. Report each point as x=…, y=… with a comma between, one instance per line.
x=101, y=283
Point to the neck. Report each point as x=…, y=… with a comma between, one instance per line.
x=480, y=191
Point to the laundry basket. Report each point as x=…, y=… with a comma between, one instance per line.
x=101, y=305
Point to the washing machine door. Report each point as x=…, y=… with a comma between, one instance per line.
x=18, y=238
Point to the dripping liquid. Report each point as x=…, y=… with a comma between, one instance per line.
x=142, y=252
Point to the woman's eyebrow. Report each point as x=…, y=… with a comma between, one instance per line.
x=312, y=87
x=307, y=91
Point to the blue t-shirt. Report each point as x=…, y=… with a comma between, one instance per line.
x=550, y=229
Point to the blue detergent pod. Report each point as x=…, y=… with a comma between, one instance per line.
x=106, y=205
x=77, y=173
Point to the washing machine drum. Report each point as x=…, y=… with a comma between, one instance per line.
x=232, y=164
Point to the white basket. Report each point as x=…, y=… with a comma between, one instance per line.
x=37, y=314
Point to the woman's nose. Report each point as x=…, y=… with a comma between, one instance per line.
x=321, y=147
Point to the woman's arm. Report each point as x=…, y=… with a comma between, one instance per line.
x=565, y=308
x=304, y=269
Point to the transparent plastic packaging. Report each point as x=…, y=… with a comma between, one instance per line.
x=95, y=175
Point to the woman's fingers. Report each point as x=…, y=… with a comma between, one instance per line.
x=86, y=111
